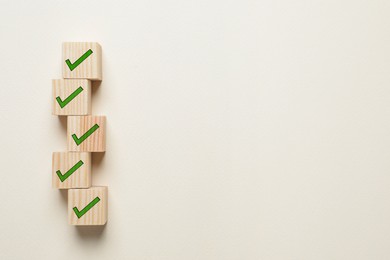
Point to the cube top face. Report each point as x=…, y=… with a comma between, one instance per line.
x=86, y=133
x=82, y=60
x=71, y=97
x=71, y=170
x=87, y=206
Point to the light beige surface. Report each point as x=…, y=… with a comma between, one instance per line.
x=236, y=130
x=80, y=105
x=80, y=198
x=64, y=161
x=79, y=125
x=90, y=68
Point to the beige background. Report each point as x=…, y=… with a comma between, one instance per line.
x=236, y=129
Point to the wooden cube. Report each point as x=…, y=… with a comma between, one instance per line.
x=82, y=60
x=71, y=97
x=71, y=170
x=86, y=133
x=87, y=206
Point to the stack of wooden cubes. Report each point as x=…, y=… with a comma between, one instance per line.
x=86, y=133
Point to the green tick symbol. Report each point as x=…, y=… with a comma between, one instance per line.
x=65, y=176
x=78, y=141
x=79, y=214
x=70, y=98
x=74, y=65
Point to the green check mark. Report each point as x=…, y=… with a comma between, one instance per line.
x=63, y=177
x=79, y=214
x=78, y=141
x=70, y=98
x=74, y=65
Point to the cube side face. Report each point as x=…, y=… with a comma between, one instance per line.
x=86, y=133
x=75, y=170
x=84, y=60
x=88, y=207
x=74, y=97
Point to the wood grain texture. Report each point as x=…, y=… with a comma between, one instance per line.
x=80, y=105
x=80, y=198
x=79, y=125
x=90, y=68
x=64, y=161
